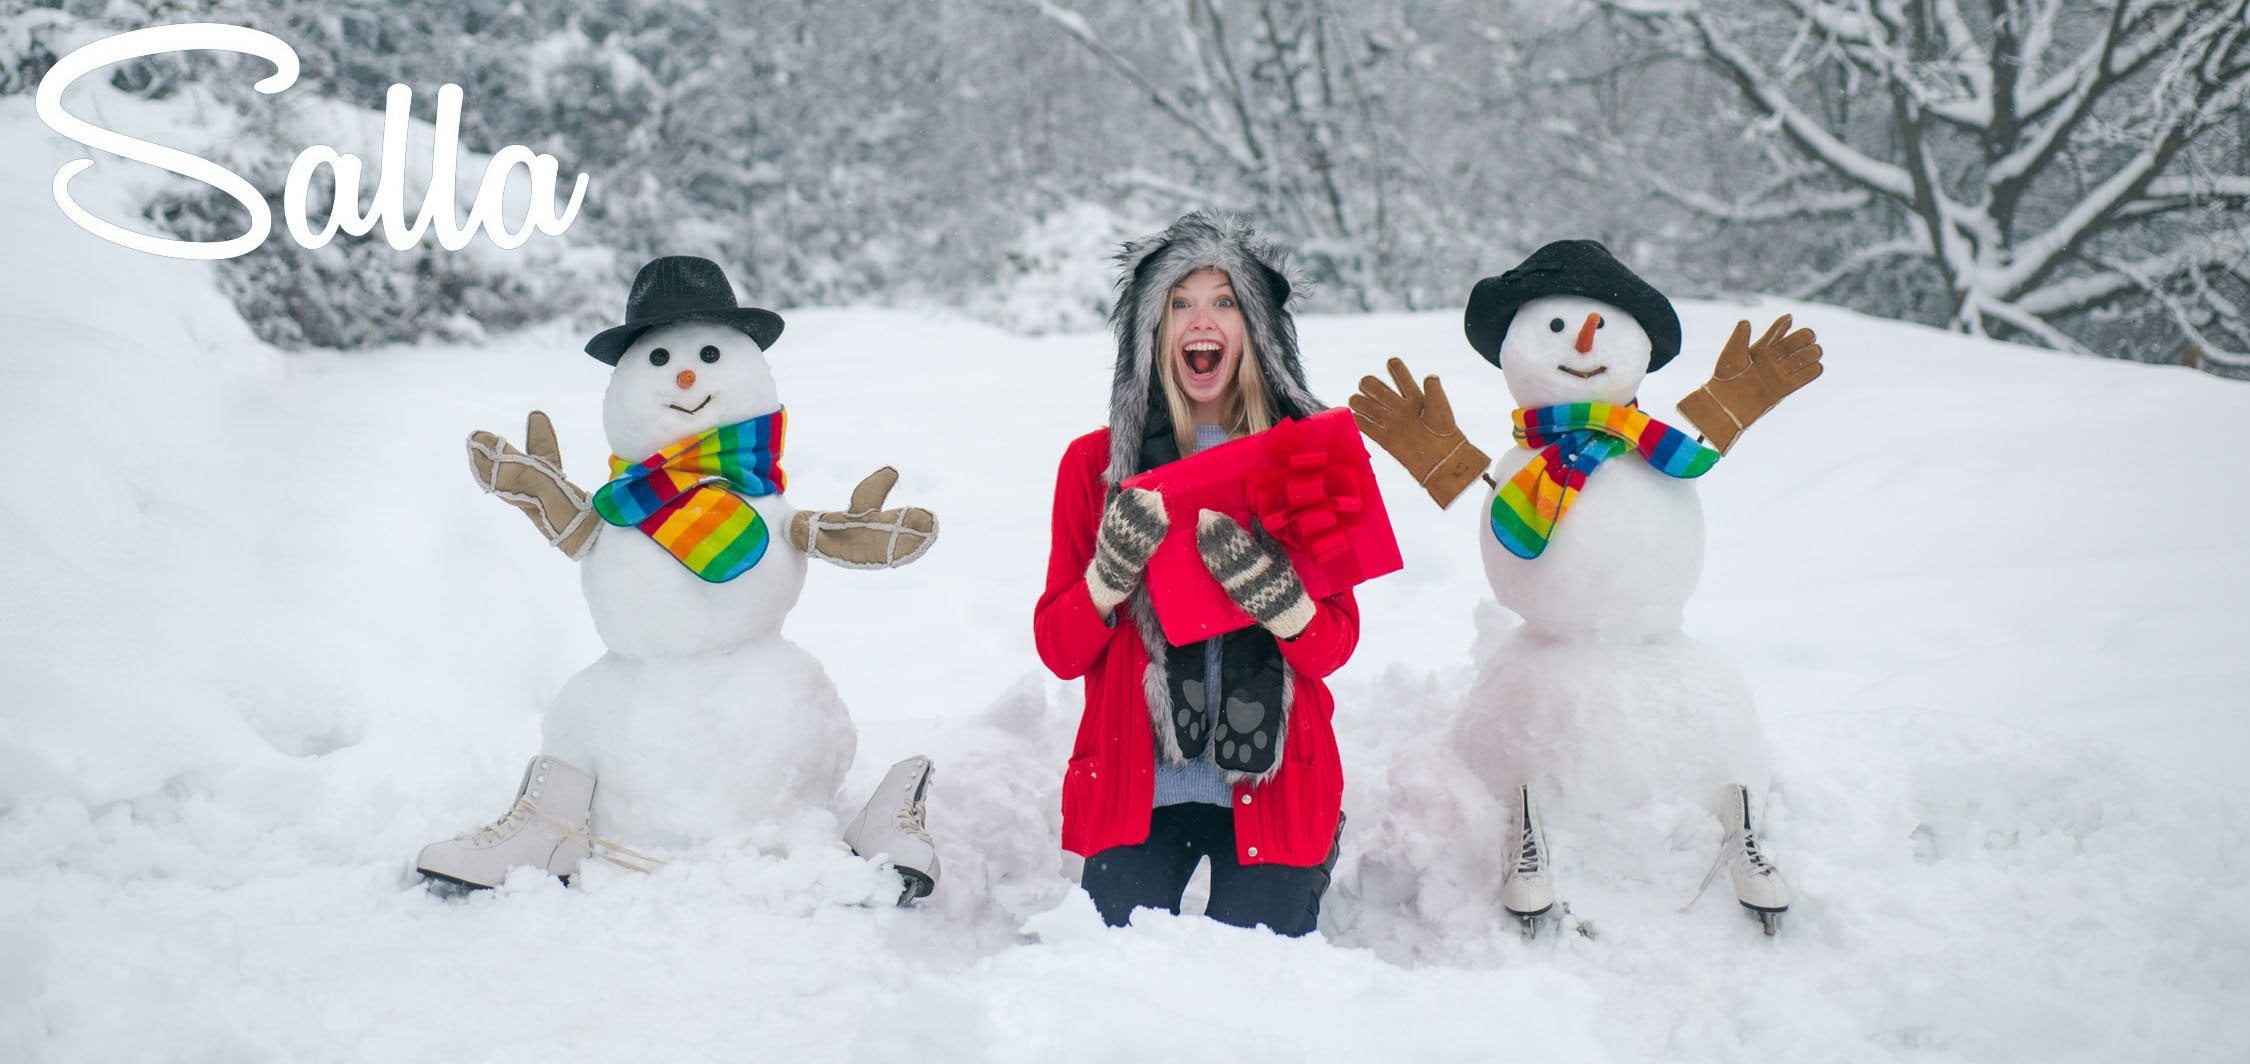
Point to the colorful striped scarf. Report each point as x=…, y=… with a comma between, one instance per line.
x=1573, y=440
x=688, y=497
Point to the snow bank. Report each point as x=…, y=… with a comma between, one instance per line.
x=262, y=639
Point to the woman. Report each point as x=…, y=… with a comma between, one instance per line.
x=1222, y=749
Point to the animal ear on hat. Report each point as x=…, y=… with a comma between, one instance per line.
x=1276, y=282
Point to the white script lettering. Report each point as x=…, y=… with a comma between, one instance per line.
x=388, y=204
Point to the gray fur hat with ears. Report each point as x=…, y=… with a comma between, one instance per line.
x=1140, y=425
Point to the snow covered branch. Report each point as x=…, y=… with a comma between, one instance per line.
x=2038, y=151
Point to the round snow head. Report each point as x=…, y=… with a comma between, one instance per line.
x=1571, y=349
x=675, y=381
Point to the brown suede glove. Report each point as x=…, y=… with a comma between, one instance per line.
x=534, y=483
x=865, y=536
x=1416, y=426
x=1750, y=379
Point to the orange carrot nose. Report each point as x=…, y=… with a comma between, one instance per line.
x=687, y=376
x=1586, y=333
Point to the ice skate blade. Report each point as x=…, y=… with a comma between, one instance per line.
x=1769, y=919
x=1557, y=915
x=917, y=886
x=446, y=886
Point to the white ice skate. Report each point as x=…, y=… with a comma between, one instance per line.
x=544, y=829
x=1757, y=881
x=1525, y=890
x=891, y=828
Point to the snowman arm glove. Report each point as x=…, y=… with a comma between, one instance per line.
x=534, y=483
x=1415, y=424
x=1750, y=379
x=866, y=536
x=1133, y=524
x=1255, y=573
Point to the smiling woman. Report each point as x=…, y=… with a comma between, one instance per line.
x=1221, y=749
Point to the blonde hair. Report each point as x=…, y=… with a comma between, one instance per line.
x=1246, y=407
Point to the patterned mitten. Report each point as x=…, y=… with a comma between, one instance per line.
x=534, y=483
x=1255, y=573
x=1132, y=525
x=866, y=536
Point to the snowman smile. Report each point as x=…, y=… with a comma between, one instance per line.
x=706, y=402
x=1588, y=374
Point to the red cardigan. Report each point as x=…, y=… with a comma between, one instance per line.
x=1106, y=795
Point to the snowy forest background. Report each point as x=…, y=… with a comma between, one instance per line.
x=2070, y=173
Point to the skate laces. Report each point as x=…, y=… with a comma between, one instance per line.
x=621, y=856
x=524, y=809
x=1529, y=861
x=1751, y=856
x=506, y=825
x=910, y=819
x=1740, y=845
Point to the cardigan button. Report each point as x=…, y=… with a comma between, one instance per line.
x=1246, y=799
x=1253, y=851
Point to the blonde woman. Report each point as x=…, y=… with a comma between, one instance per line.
x=1222, y=749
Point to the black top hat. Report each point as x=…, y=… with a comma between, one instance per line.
x=682, y=288
x=1571, y=268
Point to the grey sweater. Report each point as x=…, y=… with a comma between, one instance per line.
x=1199, y=780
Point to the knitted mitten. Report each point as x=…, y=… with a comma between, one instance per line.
x=1255, y=573
x=534, y=483
x=1132, y=525
x=866, y=536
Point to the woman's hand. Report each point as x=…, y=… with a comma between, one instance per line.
x=1132, y=525
x=1255, y=573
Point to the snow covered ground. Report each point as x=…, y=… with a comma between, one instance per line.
x=261, y=638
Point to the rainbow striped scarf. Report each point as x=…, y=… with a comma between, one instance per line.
x=688, y=497
x=1573, y=440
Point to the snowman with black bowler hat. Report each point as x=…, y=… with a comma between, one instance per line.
x=1594, y=537
x=701, y=720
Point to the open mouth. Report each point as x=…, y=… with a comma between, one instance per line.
x=706, y=402
x=1202, y=356
x=1584, y=374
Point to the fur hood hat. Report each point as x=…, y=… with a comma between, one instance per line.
x=1140, y=424
x=1253, y=674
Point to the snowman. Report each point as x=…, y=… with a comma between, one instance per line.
x=701, y=720
x=1594, y=537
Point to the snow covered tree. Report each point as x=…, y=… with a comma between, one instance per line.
x=1283, y=100
x=2066, y=171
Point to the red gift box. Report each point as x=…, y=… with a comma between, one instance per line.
x=1307, y=481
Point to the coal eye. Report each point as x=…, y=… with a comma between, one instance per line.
x=1601, y=323
x=710, y=353
x=1555, y=325
x=659, y=356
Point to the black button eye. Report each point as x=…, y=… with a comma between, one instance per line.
x=1601, y=323
x=1555, y=325
x=710, y=353
x=659, y=356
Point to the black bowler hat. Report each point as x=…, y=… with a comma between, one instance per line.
x=1571, y=268
x=682, y=288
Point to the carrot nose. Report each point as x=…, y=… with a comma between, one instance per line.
x=687, y=377
x=1586, y=333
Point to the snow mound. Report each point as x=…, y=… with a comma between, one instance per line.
x=263, y=639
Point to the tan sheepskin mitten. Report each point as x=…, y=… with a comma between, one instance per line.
x=1133, y=524
x=534, y=483
x=866, y=536
x=1416, y=426
x=1750, y=379
x=1255, y=574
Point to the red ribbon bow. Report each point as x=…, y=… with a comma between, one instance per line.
x=1308, y=502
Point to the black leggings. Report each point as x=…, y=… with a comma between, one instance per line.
x=1153, y=874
